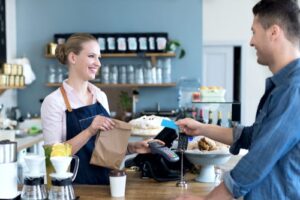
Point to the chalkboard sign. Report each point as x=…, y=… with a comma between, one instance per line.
x=2, y=33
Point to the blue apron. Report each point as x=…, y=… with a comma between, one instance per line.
x=78, y=120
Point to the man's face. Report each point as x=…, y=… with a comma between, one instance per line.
x=261, y=42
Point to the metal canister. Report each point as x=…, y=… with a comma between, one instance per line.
x=7, y=68
x=22, y=81
x=8, y=151
x=11, y=81
x=51, y=48
x=17, y=81
x=20, y=70
x=14, y=70
x=3, y=80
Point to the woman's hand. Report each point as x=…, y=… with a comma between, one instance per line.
x=100, y=123
x=141, y=146
x=190, y=126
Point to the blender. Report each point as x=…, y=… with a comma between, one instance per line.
x=61, y=180
x=8, y=170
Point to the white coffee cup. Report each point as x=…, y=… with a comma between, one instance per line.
x=117, y=181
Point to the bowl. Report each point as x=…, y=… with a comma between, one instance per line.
x=207, y=160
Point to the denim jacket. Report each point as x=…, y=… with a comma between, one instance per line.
x=271, y=168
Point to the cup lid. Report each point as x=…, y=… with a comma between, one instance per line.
x=117, y=173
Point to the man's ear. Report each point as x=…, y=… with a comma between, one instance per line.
x=72, y=58
x=275, y=32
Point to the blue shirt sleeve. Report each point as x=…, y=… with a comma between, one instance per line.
x=275, y=132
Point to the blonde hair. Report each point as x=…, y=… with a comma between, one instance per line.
x=73, y=44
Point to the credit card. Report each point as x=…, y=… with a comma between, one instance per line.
x=170, y=124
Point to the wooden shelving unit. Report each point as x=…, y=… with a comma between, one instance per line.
x=3, y=88
x=122, y=85
x=152, y=56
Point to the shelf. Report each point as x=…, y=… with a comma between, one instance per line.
x=122, y=85
x=3, y=88
x=128, y=55
x=152, y=56
x=215, y=102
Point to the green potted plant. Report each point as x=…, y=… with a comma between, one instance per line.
x=125, y=105
x=173, y=45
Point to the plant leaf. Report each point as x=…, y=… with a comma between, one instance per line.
x=182, y=53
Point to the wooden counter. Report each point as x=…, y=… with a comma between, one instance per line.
x=141, y=189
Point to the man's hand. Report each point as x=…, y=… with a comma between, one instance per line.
x=141, y=146
x=190, y=126
x=189, y=197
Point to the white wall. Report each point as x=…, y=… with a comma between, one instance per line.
x=229, y=21
x=9, y=97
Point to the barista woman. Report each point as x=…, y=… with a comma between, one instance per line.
x=76, y=111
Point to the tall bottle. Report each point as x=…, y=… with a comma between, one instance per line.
x=210, y=117
x=200, y=116
x=219, y=122
x=229, y=120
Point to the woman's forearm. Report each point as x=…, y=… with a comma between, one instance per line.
x=79, y=140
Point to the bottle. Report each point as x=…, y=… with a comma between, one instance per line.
x=210, y=117
x=194, y=113
x=200, y=116
x=229, y=120
x=219, y=122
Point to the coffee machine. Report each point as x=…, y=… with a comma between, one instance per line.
x=34, y=187
x=8, y=170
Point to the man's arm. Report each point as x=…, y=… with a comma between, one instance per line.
x=194, y=128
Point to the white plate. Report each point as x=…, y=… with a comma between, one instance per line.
x=61, y=176
x=219, y=151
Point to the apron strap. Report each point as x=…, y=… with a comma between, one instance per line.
x=63, y=92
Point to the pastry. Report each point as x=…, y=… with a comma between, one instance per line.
x=206, y=144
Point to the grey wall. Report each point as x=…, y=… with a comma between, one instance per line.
x=37, y=21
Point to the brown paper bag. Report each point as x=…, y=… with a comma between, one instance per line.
x=110, y=146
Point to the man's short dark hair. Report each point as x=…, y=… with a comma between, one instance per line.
x=284, y=13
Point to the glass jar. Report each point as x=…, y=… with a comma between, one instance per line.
x=166, y=71
x=60, y=75
x=132, y=44
x=113, y=74
x=147, y=75
x=105, y=74
x=143, y=44
x=130, y=74
x=111, y=44
x=51, y=74
x=122, y=74
x=121, y=41
x=139, y=77
x=102, y=43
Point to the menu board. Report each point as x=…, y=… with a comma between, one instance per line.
x=2, y=32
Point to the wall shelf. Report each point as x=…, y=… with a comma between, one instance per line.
x=122, y=85
x=152, y=56
x=3, y=88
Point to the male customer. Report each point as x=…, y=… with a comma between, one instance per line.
x=271, y=169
